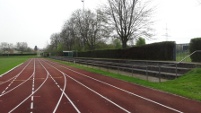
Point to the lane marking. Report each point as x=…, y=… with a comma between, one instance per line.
x=31, y=93
x=10, y=70
x=33, y=88
x=32, y=97
x=31, y=106
x=126, y=91
x=16, y=74
x=14, y=78
x=74, y=106
x=100, y=95
x=93, y=91
x=63, y=91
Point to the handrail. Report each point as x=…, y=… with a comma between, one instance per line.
x=116, y=65
x=176, y=64
x=189, y=56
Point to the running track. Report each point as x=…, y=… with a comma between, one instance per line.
x=43, y=86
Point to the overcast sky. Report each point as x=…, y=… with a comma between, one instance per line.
x=33, y=21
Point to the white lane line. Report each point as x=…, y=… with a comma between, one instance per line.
x=33, y=88
x=32, y=92
x=10, y=70
x=99, y=95
x=5, y=92
x=63, y=91
x=17, y=74
x=74, y=106
x=32, y=98
x=94, y=91
x=31, y=106
x=147, y=99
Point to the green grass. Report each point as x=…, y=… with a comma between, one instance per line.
x=181, y=56
x=8, y=62
x=189, y=85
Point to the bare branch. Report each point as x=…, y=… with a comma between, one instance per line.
x=130, y=19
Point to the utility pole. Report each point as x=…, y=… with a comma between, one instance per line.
x=166, y=33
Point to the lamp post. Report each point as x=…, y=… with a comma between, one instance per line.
x=83, y=4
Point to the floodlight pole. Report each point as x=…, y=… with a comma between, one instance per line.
x=83, y=4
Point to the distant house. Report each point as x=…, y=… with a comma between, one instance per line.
x=182, y=47
x=16, y=52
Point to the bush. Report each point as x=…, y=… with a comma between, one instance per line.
x=155, y=51
x=195, y=44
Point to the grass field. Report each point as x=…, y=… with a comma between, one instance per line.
x=8, y=62
x=189, y=85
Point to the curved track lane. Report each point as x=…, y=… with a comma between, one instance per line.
x=43, y=86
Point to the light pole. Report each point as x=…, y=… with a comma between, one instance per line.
x=83, y=4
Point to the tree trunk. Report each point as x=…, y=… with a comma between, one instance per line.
x=124, y=44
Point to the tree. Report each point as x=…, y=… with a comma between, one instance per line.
x=140, y=41
x=85, y=30
x=55, y=40
x=22, y=46
x=117, y=43
x=35, y=48
x=5, y=47
x=130, y=19
x=69, y=35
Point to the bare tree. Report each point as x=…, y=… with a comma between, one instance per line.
x=5, y=47
x=130, y=18
x=91, y=27
x=70, y=34
x=55, y=40
x=22, y=46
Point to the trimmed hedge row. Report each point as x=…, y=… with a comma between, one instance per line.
x=195, y=44
x=18, y=54
x=155, y=51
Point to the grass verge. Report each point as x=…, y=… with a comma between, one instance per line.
x=189, y=85
x=8, y=62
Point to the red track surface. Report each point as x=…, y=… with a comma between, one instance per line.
x=42, y=86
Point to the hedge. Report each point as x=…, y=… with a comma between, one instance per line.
x=155, y=51
x=195, y=44
x=29, y=54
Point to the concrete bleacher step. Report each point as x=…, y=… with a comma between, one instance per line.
x=164, y=69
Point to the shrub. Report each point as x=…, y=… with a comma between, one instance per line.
x=155, y=51
x=195, y=44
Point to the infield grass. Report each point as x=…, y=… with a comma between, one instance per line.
x=189, y=85
x=8, y=62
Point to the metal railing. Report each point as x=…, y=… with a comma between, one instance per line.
x=177, y=63
x=132, y=66
x=197, y=51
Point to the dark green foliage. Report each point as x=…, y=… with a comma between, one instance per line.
x=155, y=51
x=140, y=41
x=28, y=54
x=195, y=44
